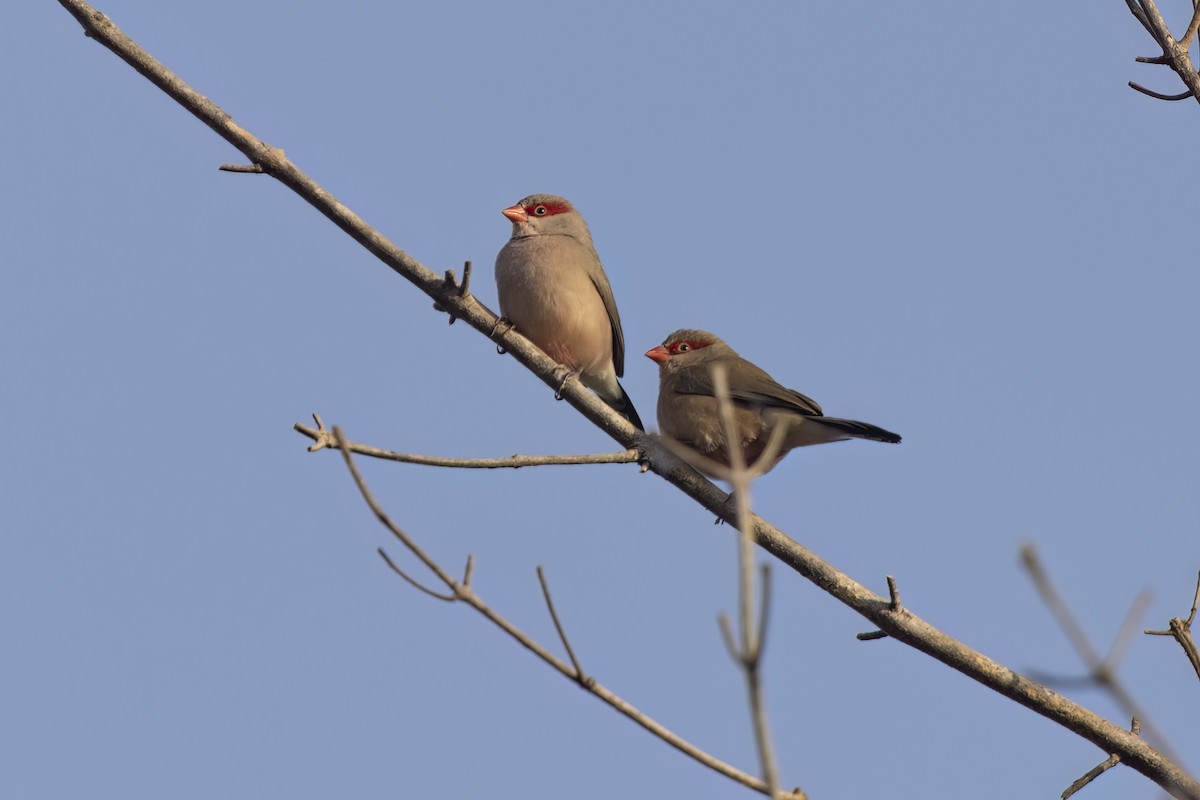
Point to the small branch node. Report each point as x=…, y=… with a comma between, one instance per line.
x=870, y=636
x=250, y=168
x=321, y=436
x=464, y=288
x=894, y=592
x=469, y=570
x=1102, y=767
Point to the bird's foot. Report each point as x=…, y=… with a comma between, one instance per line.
x=730, y=503
x=503, y=325
x=571, y=374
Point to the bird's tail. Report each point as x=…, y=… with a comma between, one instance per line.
x=859, y=430
x=625, y=408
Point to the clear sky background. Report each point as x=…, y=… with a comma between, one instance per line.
x=953, y=222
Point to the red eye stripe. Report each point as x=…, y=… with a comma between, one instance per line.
x=675, y=348
x=551, y=209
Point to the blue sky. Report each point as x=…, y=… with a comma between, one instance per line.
x=960, y=226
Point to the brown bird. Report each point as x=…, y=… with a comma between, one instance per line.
x=687, y=407
x=553, y=289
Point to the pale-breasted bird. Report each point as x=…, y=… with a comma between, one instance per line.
x=554, y=290
x=687, y=407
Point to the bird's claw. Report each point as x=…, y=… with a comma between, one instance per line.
x=507, y=325
x=558, y=393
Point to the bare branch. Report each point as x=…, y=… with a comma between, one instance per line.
x=1102, y=672
x=907, y=628
x=894, y=592
x=1159, y=95
x=562, y=635
x=1058, y=607
x=463, y=591
x=750, y=655
x=1185, y=41
x=449, y=598
x=1129, y=626
x=1139, y=15
x=324, y=438
x=764, y=606
x=1181, y=629
x=251, y=168
x=1175, y=53
x=1100, y=768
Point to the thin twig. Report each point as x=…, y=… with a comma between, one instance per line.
x=464, y=288
x=1128, y=630
x=750, y=655
x=894, y=593
x=1181, y=629
x=1139, y=15
x=323, y=438
x=1159, y=95
x=1099, y=769
x=1175, y=53
x=1185, y=41
x=1103, y=672
x=764, y=606
x=562, y=634
x=449, y=598
x=462, y=591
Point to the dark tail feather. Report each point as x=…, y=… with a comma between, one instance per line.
x=625, y=408
x=860, y=430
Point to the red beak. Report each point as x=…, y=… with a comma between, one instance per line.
x=515, y=213
x=658, y=354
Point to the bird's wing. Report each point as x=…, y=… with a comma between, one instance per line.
x=600, y=281
x=754, y=387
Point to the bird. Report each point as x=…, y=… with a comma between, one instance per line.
x=687, y=407
x=553, y=289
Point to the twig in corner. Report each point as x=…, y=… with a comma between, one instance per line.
x=1181, y=630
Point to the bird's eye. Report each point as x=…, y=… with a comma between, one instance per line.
x=540, y=211
x=682, y=347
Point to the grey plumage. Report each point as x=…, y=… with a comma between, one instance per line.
x=687, y=407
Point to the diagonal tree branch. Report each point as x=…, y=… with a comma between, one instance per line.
x=900, y=624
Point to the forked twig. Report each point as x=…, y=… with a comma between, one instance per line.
x=573, y=671
x=749, y=655
x=1175, y=53
x=1102, y=672
x=1181, y=629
